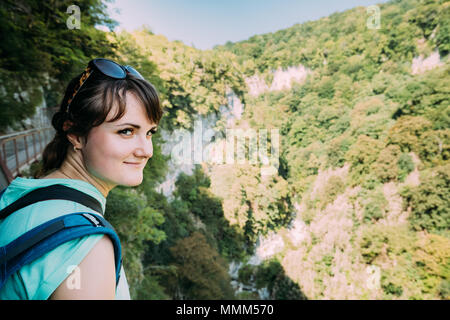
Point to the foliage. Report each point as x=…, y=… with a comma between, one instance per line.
x=150, y=288
x=391, y=289
x=405, y=166
x=362, y=105
x=386, y=168
x=202, y=203
x=246, y=274
x=408, y=131
x=407, y=277
x=136, y=222
x=371, y=244
x=200, y=269
x=425, y=95
x=336, y=150
x=361, y=155
x=192, y=81
x=40, y=54
x=270, y=275
x=253, y=203
x=433, y=262
x=434, y=147
x=429, y=201
x=333, y=187
x=375, y=206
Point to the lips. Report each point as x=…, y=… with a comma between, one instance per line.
x=137, y=164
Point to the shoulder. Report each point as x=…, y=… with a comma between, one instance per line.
x=42, y=276
x=93, y=278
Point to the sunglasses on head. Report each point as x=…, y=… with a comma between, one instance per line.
x=108, y=68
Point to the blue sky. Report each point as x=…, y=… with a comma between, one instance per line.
x=205, y=23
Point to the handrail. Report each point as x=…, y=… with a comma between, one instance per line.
x=18, y=133
x=21, y=148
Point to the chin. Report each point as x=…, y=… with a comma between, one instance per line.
x=131, y=182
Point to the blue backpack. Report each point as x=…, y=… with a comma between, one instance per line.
x=49, y=235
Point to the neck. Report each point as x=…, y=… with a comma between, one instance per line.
x=73, y=167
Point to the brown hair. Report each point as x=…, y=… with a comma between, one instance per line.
x=90, y=107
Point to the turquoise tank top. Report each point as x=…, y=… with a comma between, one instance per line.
x=38, y=280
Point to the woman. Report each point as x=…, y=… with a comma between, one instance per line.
x=103, y=139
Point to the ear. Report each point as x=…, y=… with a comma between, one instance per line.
x=76, y=141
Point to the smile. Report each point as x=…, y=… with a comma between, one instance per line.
x=136, y=164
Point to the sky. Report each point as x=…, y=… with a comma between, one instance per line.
x=206, y=23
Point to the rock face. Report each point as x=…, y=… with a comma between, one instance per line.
x=421, y=64
x=269, y=246
x=233, y=110
x=190, y=148
x=42, y=117
x=256, y=85
x=282, y=79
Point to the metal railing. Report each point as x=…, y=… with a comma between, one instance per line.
x=20, y=149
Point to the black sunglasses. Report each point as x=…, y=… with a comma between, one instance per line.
x=108, y=68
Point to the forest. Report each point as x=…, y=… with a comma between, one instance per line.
x=360, y=200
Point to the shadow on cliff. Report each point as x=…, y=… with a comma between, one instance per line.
x=271, y=275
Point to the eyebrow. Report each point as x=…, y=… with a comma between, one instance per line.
x=134, y=125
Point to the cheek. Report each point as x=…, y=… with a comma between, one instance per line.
x=104, y=156
x=105, y=152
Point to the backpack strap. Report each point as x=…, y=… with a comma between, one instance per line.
x=53, y=192
x=42, y=239
x=49, y=235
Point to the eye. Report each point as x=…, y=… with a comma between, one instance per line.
x=153, y=131
x=124, y=131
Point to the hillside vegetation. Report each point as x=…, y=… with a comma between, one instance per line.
x=365, y=149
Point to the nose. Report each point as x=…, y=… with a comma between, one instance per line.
x=144, y=148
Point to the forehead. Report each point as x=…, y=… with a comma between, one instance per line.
x=135, y=112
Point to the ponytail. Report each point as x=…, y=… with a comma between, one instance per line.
x=55, y=152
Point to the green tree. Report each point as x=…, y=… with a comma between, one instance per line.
x=405, y=166
x=386, y=168
x=272, y=276
x=136, y=223
x=202, y=274
x=361, y=155
x=407, y=131
x=434, y=147
x=429, y=201
x=39, y=52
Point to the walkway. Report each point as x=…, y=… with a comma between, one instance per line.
x=20, y=149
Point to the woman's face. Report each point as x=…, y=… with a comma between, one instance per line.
x=117, y=152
